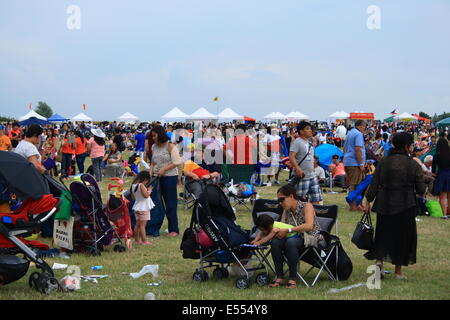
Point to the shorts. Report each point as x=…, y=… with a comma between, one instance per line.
x=311, y=188
x=142, y=215
x=354, y=175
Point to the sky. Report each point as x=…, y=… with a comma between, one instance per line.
x=257, y=56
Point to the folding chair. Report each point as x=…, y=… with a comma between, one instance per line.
x=321, y=256
x=191, y=191
x=239, y=173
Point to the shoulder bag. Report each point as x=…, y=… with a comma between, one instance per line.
x=363, y=234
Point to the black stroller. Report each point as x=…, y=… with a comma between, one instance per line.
x=221, y=242
x=19, y=177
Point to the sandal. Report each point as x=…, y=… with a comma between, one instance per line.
x=291, y=284
x=277, y=283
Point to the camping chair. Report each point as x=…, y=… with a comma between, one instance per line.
x=322, y=257
x=237, y=173
x=191, y=191
x=186, y=197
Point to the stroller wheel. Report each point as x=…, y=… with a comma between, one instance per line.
x=32, y=281
x=242, y=283
x=48, y=284
x=262, y=279
x=200, y=276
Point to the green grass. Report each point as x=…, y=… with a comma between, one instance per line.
x=428, y=279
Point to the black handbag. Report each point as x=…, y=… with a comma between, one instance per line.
x=189, y=244
x=363, y=234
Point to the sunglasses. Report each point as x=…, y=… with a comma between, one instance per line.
x=281, y=199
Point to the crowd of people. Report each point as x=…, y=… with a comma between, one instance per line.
x=169, y=151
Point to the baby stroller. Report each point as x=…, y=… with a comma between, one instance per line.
x=19, y=177
x=220, y=242
x=92, y=230
x=117, y=211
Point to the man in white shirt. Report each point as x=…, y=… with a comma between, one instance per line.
x=27, y=147
x=341, y=132
x=323, y=137
x=318, y=170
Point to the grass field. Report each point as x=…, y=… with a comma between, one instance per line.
x=428, y=279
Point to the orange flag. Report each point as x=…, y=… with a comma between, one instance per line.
x=84, y=106
x=29, y=106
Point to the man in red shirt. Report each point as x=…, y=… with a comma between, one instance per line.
x=241, y=149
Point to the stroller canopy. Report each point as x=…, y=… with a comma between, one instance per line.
x=217, y=202
x=21, y=177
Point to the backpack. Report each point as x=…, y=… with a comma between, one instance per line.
x=344, y=268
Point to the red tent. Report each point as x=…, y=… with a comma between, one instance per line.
x=248, y=119
x=419, y=117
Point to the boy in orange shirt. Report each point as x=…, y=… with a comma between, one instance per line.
x=5, y=142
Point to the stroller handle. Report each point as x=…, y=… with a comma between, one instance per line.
x=55, y=208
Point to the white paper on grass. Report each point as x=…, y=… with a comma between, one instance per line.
x=59, y=266
x=153, y=269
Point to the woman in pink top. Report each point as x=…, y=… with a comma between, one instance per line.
x=338, y=171
x=96, y=150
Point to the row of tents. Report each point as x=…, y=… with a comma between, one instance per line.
x=37, y=118
x=226, y=115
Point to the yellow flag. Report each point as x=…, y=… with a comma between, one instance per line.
x=216, y=99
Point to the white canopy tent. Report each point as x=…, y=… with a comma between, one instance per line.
x=175, y=115
x=405, y=116
x=31, y=114
x=338, y=115
x=275, y=116
x=128, y=117
x=229, y=115
x=81, y=117
x=202, y=114
x=296, y=115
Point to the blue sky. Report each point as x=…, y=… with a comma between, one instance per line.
x=147, y=57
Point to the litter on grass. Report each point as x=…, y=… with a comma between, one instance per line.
x=149, y=296
x=59, y=266
x=155, y=284
x=356, y=285
x=70, y=283
x=153, y=269
x=93, y=278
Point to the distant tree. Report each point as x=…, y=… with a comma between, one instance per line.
x=44, y=109
x=424, y=115
x=6, y=119
x=440, y=117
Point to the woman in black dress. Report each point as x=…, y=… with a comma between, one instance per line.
x=397, y=180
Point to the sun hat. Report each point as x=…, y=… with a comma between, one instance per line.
x=98, y=133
